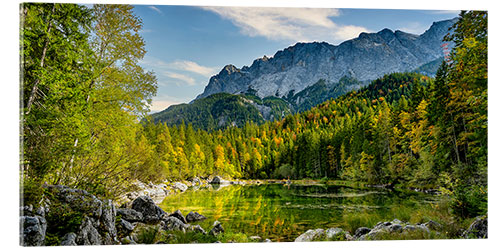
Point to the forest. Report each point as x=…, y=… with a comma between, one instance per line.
x=85, y=123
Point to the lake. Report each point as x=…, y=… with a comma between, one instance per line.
x=282, y=212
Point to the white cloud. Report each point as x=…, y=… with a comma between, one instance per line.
x=186, y=79
x=159, y=105
x=295, y=24
x=155, y=9
x=193, y=67
x=179, y=70
x=441, y=12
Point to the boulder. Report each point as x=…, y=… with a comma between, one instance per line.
x=433, y=225
x=173, y=224
x=33, y=229
x=194, y=216
x=107, y=222
x=334, y=233
x=125, y=227
x=69, y=240
x=395, y=228
x=178, y=214
x=217, y=228
x=361, y=231
x=197, y=228
x=150, y=211
x=88, y=234
x=311, y=235
x=181, y=186
x=256, y=238
x=218, y=180
x=129, y=214
x=478, y=229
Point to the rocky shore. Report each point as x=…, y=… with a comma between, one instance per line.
x=477, y=230
x=99, y=222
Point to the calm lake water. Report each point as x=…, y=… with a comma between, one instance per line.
x=281, y=213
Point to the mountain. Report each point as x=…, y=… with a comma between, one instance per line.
x=221, y=110
x=364, y=58
x=304, y=75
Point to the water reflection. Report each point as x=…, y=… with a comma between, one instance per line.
x=282, y=212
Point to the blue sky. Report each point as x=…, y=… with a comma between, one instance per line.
x=188, y=44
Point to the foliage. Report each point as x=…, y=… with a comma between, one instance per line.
x=82, y=93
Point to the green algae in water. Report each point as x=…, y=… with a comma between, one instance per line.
x=281, y=212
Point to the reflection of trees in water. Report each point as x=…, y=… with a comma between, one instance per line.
x=277, y=212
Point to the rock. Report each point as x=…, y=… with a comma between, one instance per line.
x=433, y=225
x=181, y=186
x=108, y=222
x=373, y=234
x=150, y=211
x=334, y=233
x=396, y=221
x=256, y=238
x=178, y=214
x=69, y=240
x=217, y=180
x=395, y=228
x=361, y=231
x=88, y=234
x=409, y=228
x=197, y=228
x=268, y=241
x=311, y=235
x=173, y=224
x=128, y=241
x=217, y=229
x=194, y=216
x=126, y=227
x=33, y=229
x=129, y=214
x=478, y=229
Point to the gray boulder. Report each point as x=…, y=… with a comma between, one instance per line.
x=197, y=228
x=178, y=214
x=433, y=225
x=173, y=224
x=150, y=211
x=33, y=229
x=129, y=214
x=218, y=180
x=88, y=234
x=69, y=240
x=126, y=227
x=194, y=216
x=361, y=231
x=311, y=235
x=217, y=229
x=478, y=229
x=395, y=228
x=334, y=233
x=181, y=186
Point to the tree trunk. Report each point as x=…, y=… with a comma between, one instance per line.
x=34, y=90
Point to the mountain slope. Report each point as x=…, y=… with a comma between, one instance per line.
x=365, y=58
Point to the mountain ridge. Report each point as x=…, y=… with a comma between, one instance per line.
x=365, y=58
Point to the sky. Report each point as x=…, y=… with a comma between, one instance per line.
x=186, y=45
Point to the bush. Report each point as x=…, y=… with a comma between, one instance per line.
x=469, y=201
x=283, y=172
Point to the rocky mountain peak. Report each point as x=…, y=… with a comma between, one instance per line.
x=366, y=57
